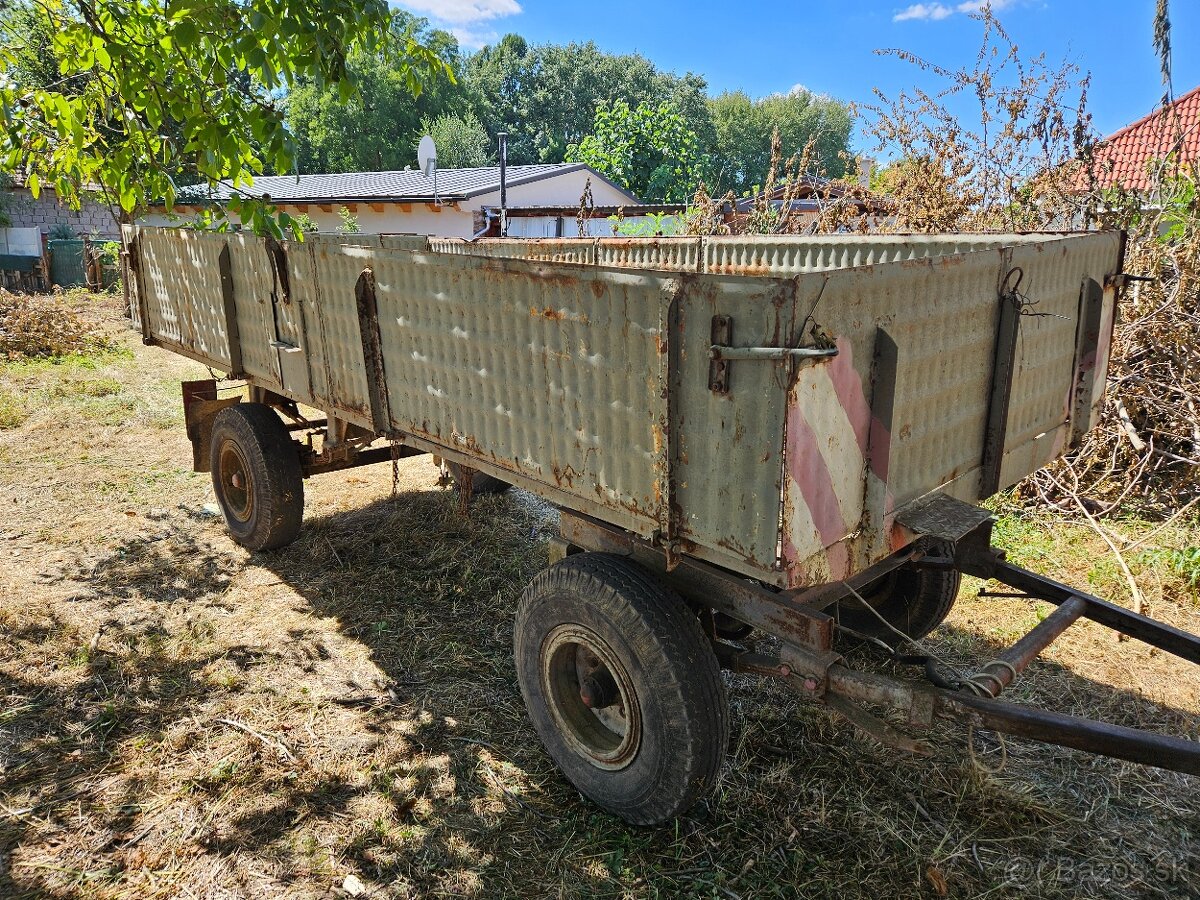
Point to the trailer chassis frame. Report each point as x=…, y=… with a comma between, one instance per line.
x=807, y=659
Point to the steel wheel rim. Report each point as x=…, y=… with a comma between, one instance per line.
x=236, y=486
x=572, y=660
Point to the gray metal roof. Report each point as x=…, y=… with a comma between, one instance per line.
x=397, y=186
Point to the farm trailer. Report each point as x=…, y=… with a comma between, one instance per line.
x=783, y=435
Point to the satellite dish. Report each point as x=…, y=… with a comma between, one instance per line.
x=427, y=156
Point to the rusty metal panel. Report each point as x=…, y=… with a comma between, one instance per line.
x=728, y=458
x=775, y=255
x=662, y=254
x=1039, y=421
x=565, y=250
x=325, y=289
x=554, y=373
x=592, y=384
x=250, y=268
x=183, y=291
x=417, y=243
x=839, y=454
x=306, y=294
x=355, y=239
x=792, y=254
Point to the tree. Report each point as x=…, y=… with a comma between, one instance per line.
x=742, y=147
x=149, y=89
x=461, y=140
x=650, y=150
x=378, y=128
x=545, y=97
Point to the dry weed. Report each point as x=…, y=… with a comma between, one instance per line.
x=34, y=327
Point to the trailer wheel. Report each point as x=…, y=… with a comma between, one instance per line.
x=256, y=476
x=622, y=687
x=480, y=483
x=912, y=600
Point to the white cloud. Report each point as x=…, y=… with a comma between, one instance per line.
x=463, y=12
x=473, y=39
x=923, y=12
x=935, y=12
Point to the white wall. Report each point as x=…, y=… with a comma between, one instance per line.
x=561, y=190
x=448, y=220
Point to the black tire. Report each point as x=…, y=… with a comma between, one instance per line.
x=480, y=483
x=913, y=600
x=656, y=668
x=256, y=476
x=730, y=629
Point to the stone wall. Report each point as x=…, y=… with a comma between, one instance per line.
x=92, y=219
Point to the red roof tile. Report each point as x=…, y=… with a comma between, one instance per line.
x=1124, y=158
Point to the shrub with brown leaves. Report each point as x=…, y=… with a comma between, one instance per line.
x=33, y=327
x=1025, y=162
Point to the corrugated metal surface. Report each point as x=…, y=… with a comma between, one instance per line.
x=728, y=453
x=326, y=290
x=791, y=255
x=945, y=346
x=252, y=287
x=556, y=375
x=590, y=383
x=183, y=292
x=418, y=243
x=582, y=251
x=742, y=255
x=666, y=254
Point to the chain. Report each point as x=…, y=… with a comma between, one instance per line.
x=395, y=467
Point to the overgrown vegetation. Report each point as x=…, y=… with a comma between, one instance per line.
x=649, y=150
x=137, y=97
x=1028, y=162
x=40, y=327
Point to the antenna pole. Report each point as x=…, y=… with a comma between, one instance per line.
x=503, y=137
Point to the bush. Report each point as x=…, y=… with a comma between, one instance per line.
x=43, y=327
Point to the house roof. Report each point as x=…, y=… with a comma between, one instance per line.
x=1122, y=159
x=408, y=186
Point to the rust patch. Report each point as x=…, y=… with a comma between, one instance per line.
x=597, y=288
x=740, y=269
x=565, y=474
x=555, y=315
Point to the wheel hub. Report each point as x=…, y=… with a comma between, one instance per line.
x=237, y=492
x=591, y=697
x=599, y=690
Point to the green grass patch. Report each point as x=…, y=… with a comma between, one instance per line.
x=12, y=411
x=68, y=364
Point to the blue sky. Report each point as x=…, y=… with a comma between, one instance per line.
x=765, y=47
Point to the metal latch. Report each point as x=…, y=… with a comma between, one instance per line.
x=285, y=347
x=721, y=353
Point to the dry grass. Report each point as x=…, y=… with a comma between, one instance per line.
x=43, y=326
x=183, y=719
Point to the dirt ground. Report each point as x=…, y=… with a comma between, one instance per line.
x=180, y=718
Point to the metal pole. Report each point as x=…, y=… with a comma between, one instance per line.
x=503, y=136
